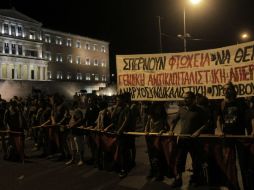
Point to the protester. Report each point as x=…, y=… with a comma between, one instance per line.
x=230, y=121
x=76, y=136
x=120, y=123
x=156, y=123
x=192, y=119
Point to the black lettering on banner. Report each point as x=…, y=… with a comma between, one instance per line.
x=221, y=57
x=239, y=55
x=244, y=54
x=245, y=89
x=167, y=93
x=142, y=63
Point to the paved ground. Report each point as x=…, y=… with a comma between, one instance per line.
x=43, y=174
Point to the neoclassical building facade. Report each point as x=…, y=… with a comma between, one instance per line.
x=29, y=52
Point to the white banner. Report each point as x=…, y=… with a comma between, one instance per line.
x=167, y=76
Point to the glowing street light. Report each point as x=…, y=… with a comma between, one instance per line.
x=195, y=1
x=185, y=34
x=245, y=36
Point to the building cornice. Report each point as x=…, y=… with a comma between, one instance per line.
x=21, y=39
x=74, y=35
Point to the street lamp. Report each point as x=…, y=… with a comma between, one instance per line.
x=185, y=34
x=245, y=36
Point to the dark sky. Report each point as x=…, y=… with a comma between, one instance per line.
x=131, y=26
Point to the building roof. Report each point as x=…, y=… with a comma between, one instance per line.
x=13, y=13
x=74, y=35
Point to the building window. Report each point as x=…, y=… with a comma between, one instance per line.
x=78, y=44
x=96, y=77
x=59, y=75
x=68, y=76
x=31, y=53
x=12, y=73
x=48, y=56
x=94, y=47
x=69, y=58
x=59, y=41
x=78, y=60
x=79, y=76
x=103, y=49
x=20, y=50
x=32, y=74
x=88, y=76
x=6, y=29
x=13, y=30
x=87, y=61
x=95, y=62
x=32, y=35
x=87, y=46
x=47, y=38
x=13, y=49
x=49, y=75
x=68, y=42
x=59, y=58
x=6, y=48
x=103, y=64
x=103, y=78
x=19, y=31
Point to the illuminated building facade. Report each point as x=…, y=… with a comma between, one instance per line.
x=29, y=52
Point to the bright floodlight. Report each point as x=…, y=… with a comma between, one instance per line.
x=244, y=36
x=195, y=1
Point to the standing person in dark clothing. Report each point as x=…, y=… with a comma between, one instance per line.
x=60, y=117
x=230, y=120
x=121, y=123
x=90, y=117
x=43, y=117
x=133, y=119
x=103, y=158
x=156, y=123
x=14, y=120
x=3, y=106
x=192, y=119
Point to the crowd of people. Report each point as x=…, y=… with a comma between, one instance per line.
x=60, y=130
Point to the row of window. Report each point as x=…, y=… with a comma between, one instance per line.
x=59, y=58
x=12, y=30
x=17, y=30
x=14, y=49
x=79, y=76
x=17, y=49
x=88, y=46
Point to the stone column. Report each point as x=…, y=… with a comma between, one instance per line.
x=28, y=72
x=46, y=73
x=35, y=72
x=41, y=73
x=8, y=71
x=21, y=72
x=15, y=71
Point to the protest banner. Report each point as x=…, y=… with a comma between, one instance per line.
x=166, y=76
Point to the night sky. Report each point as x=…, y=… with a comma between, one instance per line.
x=131, y=26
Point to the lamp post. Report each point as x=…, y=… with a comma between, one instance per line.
x=185, y=34
x=159, y=26
x=184, y=31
